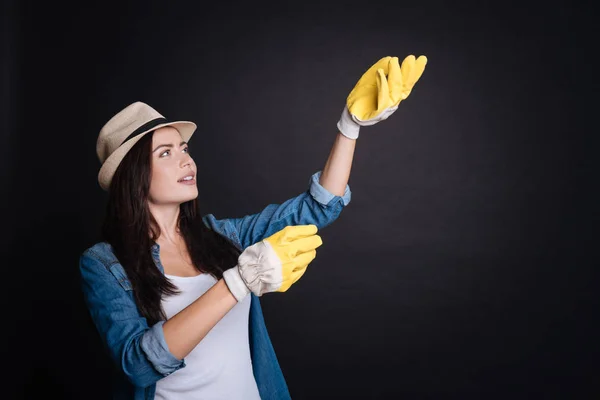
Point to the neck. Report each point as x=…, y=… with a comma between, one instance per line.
x=166, y=217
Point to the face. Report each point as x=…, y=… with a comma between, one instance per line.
x=171, y=163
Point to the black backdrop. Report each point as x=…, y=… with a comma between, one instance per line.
x=462, y=268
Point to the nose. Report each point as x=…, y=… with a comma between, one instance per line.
x=186, y=161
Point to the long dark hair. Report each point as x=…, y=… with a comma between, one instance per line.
x=131, y=230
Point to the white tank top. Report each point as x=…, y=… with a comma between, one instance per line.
x=219, y=367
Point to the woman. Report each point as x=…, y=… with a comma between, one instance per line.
x=173, y=294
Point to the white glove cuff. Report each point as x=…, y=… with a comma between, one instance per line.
x=235, y=283
x=347, y=126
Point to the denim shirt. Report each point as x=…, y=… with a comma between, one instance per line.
x=140, y=351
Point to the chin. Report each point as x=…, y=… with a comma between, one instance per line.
x=190, y=196
x=180, y=195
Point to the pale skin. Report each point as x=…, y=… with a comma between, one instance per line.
x=170, y=162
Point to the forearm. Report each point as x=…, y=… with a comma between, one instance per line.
x=336, y=173
x=187, y=328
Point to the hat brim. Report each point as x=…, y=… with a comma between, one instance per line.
x=107, y=170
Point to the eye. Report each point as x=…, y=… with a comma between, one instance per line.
x=166, y=151
x=187, y=149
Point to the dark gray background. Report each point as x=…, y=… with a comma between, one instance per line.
x=462, y=268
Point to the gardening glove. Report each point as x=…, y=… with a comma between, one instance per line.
x=378, y=92
x=275, y=263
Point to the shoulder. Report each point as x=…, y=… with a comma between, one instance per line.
x=101, y=252
x=99, y=264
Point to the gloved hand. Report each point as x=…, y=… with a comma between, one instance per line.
x=378, y=92
x=275, y=263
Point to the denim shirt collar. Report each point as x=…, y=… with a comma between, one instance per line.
x=155, y=249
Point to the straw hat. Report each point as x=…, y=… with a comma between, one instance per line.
x=124, y=129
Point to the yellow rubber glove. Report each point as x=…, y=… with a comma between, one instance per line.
x=379, y=91
x=274, y=264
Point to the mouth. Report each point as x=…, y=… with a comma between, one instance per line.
x=188, y=179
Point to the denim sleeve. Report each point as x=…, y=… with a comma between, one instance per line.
x=315, y=206
x=139, y=351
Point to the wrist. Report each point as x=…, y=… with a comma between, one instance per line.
x=347, y=126
x=235, y=283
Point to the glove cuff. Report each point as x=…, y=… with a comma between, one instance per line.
x=235, y=283
x=347, y=126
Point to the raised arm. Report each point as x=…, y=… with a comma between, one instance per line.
x=315, y=206
x=336, y=172
x=374, y=98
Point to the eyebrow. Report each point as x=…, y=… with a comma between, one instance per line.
x=167, y=145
